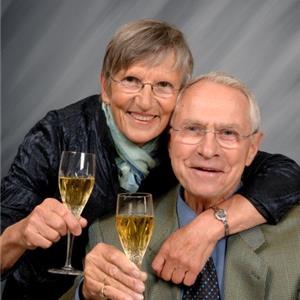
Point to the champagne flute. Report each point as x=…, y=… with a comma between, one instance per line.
x=76, y=182
x=135, y=223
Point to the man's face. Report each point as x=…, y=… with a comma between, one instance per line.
x=209, y=171
x=142, y=116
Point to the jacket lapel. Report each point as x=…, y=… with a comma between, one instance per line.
x=166, y=222
x=245, y=272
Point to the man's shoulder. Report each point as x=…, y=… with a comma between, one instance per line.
x=288, y=229
x=265, y=239
x=267, y=257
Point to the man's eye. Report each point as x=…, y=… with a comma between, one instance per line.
x=229, y=133
x=193, y=129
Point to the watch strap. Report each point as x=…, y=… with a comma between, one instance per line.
x=221, y=215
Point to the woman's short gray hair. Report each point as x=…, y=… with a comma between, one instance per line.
x=146, y=40
x=230, y=81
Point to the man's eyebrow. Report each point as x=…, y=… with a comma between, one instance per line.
x=190, y=122
x=228, y=125
x=193, y=122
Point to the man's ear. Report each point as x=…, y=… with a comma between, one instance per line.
x=254, y=147
x=104, y=94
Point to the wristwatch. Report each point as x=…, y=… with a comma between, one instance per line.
x=221, y=215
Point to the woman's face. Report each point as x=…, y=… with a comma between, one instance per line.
x=141, y=116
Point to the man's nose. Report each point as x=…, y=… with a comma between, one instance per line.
x=208, y=146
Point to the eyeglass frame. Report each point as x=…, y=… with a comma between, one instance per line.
x=215, y=132
x=153, y=85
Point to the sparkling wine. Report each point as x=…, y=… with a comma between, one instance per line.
x=75, y=192
x=135, y=233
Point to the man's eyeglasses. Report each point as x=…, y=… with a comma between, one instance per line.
x=161, y=89
x=226, y=137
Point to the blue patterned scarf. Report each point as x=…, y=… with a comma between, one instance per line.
x=134, y=162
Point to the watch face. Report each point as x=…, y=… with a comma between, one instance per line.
x=221, y=214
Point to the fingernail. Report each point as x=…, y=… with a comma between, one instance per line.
x=136, y=273
x=144, y=276
x=140, y=286
x=139, y=297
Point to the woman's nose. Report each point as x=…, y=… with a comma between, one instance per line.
x=145, y=99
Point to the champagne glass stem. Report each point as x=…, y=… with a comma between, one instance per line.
x=70, y=242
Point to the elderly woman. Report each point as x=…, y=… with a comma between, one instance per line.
x=145, y=66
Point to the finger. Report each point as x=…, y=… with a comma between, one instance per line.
x=116, y=291
x=92, y=289
x=111, y=262
x=45, y=232
x=178, y=275
x=119, y=261
x=83, y=222
x=126, y=283
x=95, y=278
x=71, y=222
x=158, y=263
x=190, y=278
x=167, y=271
x=37, y=240
x=36, y=224
x=49, y=214
x=92, y=284
x=50, y=217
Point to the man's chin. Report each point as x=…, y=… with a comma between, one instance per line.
x=206, y=194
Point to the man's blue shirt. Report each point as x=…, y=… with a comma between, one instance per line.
x=186, y=215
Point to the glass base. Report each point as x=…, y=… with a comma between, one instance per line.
x=66, y=271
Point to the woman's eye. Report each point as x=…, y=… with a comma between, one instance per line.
x=130, y=79
x=164, y=84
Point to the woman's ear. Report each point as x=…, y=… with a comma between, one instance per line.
x=104, y=94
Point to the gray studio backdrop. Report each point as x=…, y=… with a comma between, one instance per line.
x=52, y=52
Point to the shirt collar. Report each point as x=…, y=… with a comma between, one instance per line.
x=185, y=214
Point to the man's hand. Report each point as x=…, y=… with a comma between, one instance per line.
x=184, y=254
x=109, y=274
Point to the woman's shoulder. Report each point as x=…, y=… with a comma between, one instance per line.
x=86, y=106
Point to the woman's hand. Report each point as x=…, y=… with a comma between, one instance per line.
x=184, y=254
x=108, y=273
x=45, y=225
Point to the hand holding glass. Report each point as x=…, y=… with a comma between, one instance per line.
x=76, y=182
x=135, y=223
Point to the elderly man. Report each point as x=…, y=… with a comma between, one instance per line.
x=215, y=133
